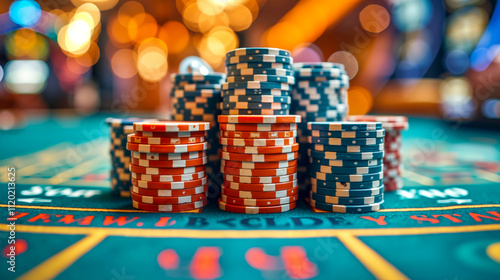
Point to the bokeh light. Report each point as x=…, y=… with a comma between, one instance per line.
x=456, y=95
x=350, y=62
x=307, y=53
x=26, y=76
x=457, y=62
x=175, y=35
x=103, y=5
x=491, y=108
x=123, y=64
x=26, y=44
x=412, y=15
x=214, y=45
x=360, y=100
x=25, y=12
x=152, y=63
x=240, y=17
x=374, y=18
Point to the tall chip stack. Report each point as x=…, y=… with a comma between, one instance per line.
x=346, y=166
x=259, y=162
x=120, y=156
x=168, y=165
x=197, y=97
x=393, y=162
x=319, y=94
x=259, y=82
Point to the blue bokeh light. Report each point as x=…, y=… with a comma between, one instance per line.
x=457, y=62
x=25, y=12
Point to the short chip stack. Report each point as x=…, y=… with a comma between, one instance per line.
x=259, y=162
x=259, y=82
x=346, y=166
x=168, y=165
x=120, y=156
x=320, y=94
x=197, y=97
x=393, y=126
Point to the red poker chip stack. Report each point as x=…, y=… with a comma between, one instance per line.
x=393, y=160
x=167, y=166
x=259, y=163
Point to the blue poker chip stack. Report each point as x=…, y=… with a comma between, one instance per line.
x=346, y=166
x=259, y=82
x=197, y=97
x=319, y=94
x=120, y=156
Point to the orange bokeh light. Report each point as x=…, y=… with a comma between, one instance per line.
x=175, y=35
x=360, y=100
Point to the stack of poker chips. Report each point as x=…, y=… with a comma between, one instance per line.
x=197, y=97
x=120, y=156
x=320, y=94
x=393, y=126
x=259, y=162
x=259, y=82
x=168, y=165
x=346, y=166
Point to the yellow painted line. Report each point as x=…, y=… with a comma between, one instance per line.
x=489, y=175
x=421, y=179
x=140, y=211
x=70, y=183
x=79, y=170
x=249, y=234
x=54, y=266
x=377, y=265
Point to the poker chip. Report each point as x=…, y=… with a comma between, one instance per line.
x=258, y=127
x=255, y=112
x=347, y=177
x=166, y=171
x=251, y=92
x=346, y=163
x=169, y=163
x=259, y=119
x=260, y=194
x=346, y=200
x=261, y=78
x=195, y=87
x=346, y=185
x=170, y=193
x=254, y=105
x=258, y=157
x=181, y=148
x=345, y=141
x=169, y=185
x=168, y=156
x=260, y=71
x=328, y=72
x=168, y=200
x=256, y=98
x=259, y=134
x=257, y=51
x=258, y=172
x=168, y=178
x=236, y=59
x=256, y=210
x=257, y=85
x=349, y=149
x=211, y=78
x=349, y=134
x=348, y=192
x=261, y=150
x=257, y=142
x=169, y=207
x=347, y=170
x=258, y=165
x=164, y=141
x=258, y=65
x=260, y=180
x=346, y=156
x=171, y=134
x=322, y=65
x=260, y=187
x=353, y=209
x=259, y=202
x=344, y=126
x=171, y=126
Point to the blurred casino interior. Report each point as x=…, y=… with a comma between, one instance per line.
x=437, y=58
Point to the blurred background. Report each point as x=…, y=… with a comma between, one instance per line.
x=434, y=58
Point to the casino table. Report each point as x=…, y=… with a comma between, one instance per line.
x=444, y=224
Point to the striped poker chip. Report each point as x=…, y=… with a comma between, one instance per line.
x=259, y=58
x=353, y=209
x=168, y=178
x=168, y=193
x=257, y=51
x=258, y=158
x=256, y=142
x=262, y=78
x=346, y=163
x=203, y=93
x=260, y=71
x=346, y=156
x=122, y=122
x=259, y=202
x=169, y=185
x=344, y=126
x=346, y=185
x=183, y=148
x=171, y=134
x=259, y=134
x=364, y=200
x=330, y=73
x=171, y=126
x=213, y=78
x=247, y=91
x=195, y=87
x=318, y=65
x=348, y=192
x=169, y=207
x=257, y=98
x=348, y=149
x=169, y=156
x=346, y=170
x=260, y=180
x=258, y=165
x=347, y=141
x=258, y=127
x=347, y=177
x=168, y=199
x=258, y=65
x=260, y=119
x=261, y=187
x=258, y=172
x=165, y=171
x=254, y=105
x=256, y=210
x=349, y=134
x=258, y=194
x=170, y=163
x=257, y=85
x=164, y=141
x=261, y=150
x=255, y=112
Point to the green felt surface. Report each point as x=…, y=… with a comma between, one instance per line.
x=444, y=224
